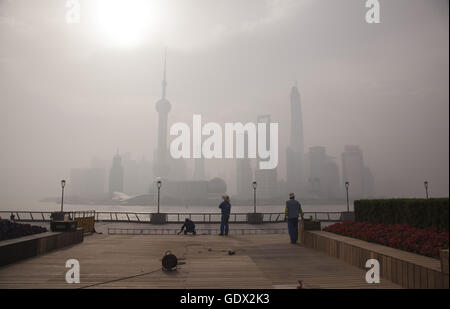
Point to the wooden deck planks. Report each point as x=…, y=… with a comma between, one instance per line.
x=261, y=261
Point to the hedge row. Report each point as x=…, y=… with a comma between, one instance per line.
x=9, y=230
x=420, y=213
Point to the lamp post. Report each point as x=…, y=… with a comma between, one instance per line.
x=426, y=188
x=254, y=196
x=347, y=184
x=254, y=217
x=158, y=184
x=63, y=184
x=158, y=218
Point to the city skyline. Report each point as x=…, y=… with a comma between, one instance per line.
x=383, y=87
x=311, y=175
x=320, y=178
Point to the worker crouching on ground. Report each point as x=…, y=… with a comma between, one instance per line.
x=188, y=227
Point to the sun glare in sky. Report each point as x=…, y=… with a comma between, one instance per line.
x=127, y=23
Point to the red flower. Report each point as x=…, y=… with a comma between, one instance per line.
x=428, y=241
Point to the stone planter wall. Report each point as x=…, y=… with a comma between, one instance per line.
x=404, y=268
x=14, y=250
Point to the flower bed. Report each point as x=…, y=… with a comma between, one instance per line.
x=426, y=241
x=9, y=230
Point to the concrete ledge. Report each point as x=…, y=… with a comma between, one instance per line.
x=17, y=249
x=307, y=225
x=407, y=269
x=444, y=261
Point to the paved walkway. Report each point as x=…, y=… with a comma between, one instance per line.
x=260, y=261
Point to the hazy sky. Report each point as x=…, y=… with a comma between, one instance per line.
x=69, y=92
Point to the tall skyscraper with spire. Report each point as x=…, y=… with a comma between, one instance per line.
x=295, y=152
x=297, y=144
x=163, y=107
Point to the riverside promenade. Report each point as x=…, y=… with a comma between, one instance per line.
x=264, y=261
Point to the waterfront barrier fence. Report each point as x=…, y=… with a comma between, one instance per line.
x=144, y=217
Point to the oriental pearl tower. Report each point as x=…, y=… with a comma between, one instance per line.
x=163, y=107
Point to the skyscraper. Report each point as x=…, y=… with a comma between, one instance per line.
x=163, y=107
x=355, y=172
x=164, y=165
x=297, y=143
x=266, y=178
x=295, y=151
x=323, y=177
x=317, y=159
x=116, y=175
x=368, y=183
x=244, y=173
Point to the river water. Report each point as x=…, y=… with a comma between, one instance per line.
x=50, y=206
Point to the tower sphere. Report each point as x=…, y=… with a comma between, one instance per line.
x=163, y=106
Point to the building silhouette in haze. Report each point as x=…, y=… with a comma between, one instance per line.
x=356, y=173
x=116, y=175
x=244, y=173
x=323, y=178
x=267, y=185
x=164, y=166
x=295, y=171
x=163, y=107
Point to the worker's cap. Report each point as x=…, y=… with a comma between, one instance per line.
x=291, y=195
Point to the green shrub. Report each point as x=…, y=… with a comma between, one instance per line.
x=420, y=213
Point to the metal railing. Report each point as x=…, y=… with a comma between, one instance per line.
x=42, y=216
x=162, y=231
x=144, y=217
x=83, y=214
x=209, y=217
x=180, y=217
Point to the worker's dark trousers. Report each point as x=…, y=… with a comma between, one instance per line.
x=293, y=229
x=224, y=224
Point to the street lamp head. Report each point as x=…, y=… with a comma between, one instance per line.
x=425, y=183
x=159, y=184
x=254, y=185
x=347, y=184
x=63, y=183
